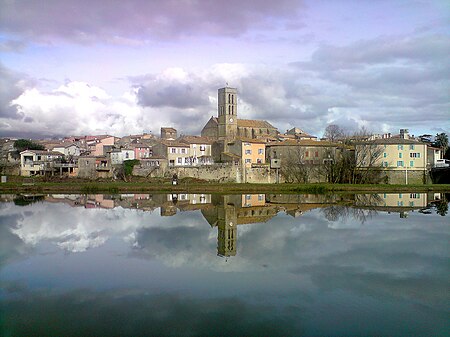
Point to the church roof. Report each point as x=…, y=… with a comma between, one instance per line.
x=253, y=123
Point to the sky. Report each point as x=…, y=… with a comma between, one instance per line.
x=79, y=67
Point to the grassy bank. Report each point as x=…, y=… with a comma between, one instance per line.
x=194, y=186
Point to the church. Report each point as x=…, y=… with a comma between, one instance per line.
x=226, y=126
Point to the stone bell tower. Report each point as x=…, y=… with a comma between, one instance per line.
x=227, y=113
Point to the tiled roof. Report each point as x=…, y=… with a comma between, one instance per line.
x=251, y=140
x=173, y=143
x=253, y=123
x=41, y=152
x=303, y=142
x=195, y=140
x=396, y=141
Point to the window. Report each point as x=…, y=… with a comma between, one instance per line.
x=248, y=161
x=307, y=154
x=248, y=197
x=316, y=154
x=399, y=147
x=186, y=160
x=399, y=154
x=385, y=164
x=414, y=196
x=385, y=155
x=400, y=195
x=400, y=163
x=399, y=203
x=260, y=197
x=411, y=163
x=173, y=150
x=202, y=148
x=411, y=204
x=414, y=155
x=411, y=147
x=259, y=161
x=260, y=151
x=183, y=150
x=180, y=160
x=248, y=151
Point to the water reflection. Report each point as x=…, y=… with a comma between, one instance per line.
x=225, y=212
x=200, y=264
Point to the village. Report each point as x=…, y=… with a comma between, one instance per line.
x=230, y=149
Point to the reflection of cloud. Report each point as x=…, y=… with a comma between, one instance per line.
x=384, y=257
x=135, y=313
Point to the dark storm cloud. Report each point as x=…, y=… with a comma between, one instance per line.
x=177, y=95
x=87, y=21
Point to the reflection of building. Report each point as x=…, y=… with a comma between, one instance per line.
x=227, y=230
x=233, y=210
x=393, y=202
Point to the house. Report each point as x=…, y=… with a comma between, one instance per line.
x=168, y=133
x=94, y=167
x=118, y=156
x=296, y=133
x=199, y=149
x=141, y=150
x=251, y=151
x=433, y=156
x=177, y=153
x=403, y=160
x=38, y=162
x=310, y=152
x=68, y=150
x=95, y=144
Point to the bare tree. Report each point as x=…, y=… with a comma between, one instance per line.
x=368, y=168
x=294, y=168
x=333, y=133
x=355, y=161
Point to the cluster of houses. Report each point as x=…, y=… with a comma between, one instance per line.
x=250, y=150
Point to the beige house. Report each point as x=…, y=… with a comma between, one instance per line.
x=37, y=162
x=199, y=149
x=403, y=160
x=308, y=151
x=177, y=153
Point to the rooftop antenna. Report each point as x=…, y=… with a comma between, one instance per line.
x=226, y=84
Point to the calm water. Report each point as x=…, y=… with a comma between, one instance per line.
x=209, y=265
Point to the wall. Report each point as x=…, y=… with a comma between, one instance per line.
x=399, y=177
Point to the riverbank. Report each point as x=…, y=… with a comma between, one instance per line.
x=195, y=186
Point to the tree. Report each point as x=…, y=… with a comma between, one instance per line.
x=294, y=168
x=25, y=144
x=354, y=162
x=441, y=141
x=333, y=132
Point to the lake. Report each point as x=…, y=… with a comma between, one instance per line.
x=233, y=265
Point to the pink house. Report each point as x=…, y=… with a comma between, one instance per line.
x=142, y=151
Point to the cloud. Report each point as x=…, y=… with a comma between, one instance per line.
x=12, y=85
x=91, y=21
x=383, y=84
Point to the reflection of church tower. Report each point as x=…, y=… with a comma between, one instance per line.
x=227, y=113
x=227, y=231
